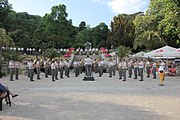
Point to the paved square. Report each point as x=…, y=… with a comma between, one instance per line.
x=104, y=99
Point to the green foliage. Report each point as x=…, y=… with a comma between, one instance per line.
x=123, y=51
x=13, y=55
x=122, y=30
x=50, y=53
x=78, y=45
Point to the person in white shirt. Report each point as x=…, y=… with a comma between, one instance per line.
x=67, y=67
x=57, y=69
x=31, y=70
x=38, y=68
x=61, y=68
x=100, y=67
x=148, y=68
x=129, y=64
x=161, y=75
x=110, y=66
x=11, y=67
x=120, y=71
x=46, y=68
x=124, y=68
x=75, y=66
x=88, y=66
x=17, y=66
x=141, y=67
x=136, y=67
x=53, y=68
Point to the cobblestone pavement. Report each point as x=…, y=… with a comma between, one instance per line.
x=103, y=99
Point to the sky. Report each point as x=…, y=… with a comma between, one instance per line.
x=91, y=11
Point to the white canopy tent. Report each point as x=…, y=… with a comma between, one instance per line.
x=164, y=52
x=138, y=55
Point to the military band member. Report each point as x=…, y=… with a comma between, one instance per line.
x=114, y=67
x=61, y=68
x=110, y=66
x=75, y=65
x=95, y=66
x=124, y=68
x=17, y=66
x=38, y=66
x=148, y=68
x=53, y=68
x=135, y=64
x=67, y=65
x=154, y=70
x=46, y=68
x=57, y=69
x=31, y=70
x=100, y=67
x=120, y=71
x=49, y=67
x=88, y=66
x=141, y=67
x=129, y=68
x=28, y=73
x=11, y=67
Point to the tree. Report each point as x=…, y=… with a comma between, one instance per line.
x=122, y=30
x=101, y=33
x=82, y=25
x=123, y=51
x=162, y=17
x=5, y=8
x=13, y=55
x=50, y=53
x=5, y=40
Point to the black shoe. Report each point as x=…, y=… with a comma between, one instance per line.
x=110, y=76
x=11, y=80
x=113, y=74
x=99, y=75
x=68, y=76
x=61, y=77
x=38, y=78
x=17, y=78
x=32, y=80
x=46, y=77
x=135, y=78
x=154, y=78
x=123, y=80
x=161, y=85
x=147, y=76
x=120, y=78
x=129, y=76
x=140, y=80
x=15, y=95
x=57, y=79
x=53, y=80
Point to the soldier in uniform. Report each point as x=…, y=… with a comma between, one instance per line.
x=38, y=65
x=17, y=66
x=148, y=68
x=154, y=70
x=135, y=64
x=46, y=68
x=110, y=66
x=61, y=68
x=31, y=70
x=53, y=70
x=141, y=67
x=120, y=71
x=124, y=68
x=114, y=67
x=11, y=66
x=88, y=66
x=100, y=67
x=75, y=65
x=28, y=69
x=56, y=69
x=67, y=67
x=130, y=68
x=95, y=66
